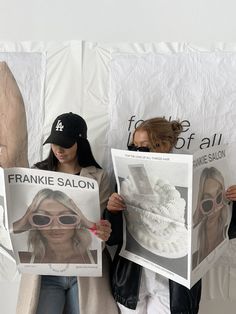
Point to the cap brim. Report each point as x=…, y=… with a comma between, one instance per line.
x=60, y=140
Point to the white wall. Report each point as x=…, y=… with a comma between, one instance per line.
x=194, y=21
x=118, y=20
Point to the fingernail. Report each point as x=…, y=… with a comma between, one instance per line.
x=94, y=227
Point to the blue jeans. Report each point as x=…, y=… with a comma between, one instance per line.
x=58, y=294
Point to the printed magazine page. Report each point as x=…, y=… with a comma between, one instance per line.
x=8, y=269
x=160, y=193
x=51, y=220
x=211, y=211
x=157, y=189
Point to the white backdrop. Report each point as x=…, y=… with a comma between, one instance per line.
x=201, y=22
x=119, y=21
x=80, y=77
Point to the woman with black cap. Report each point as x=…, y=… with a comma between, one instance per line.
x=71, y=153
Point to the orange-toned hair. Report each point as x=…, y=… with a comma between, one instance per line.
x=161, y=129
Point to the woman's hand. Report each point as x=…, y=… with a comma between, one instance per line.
x=116, y=203
x=23, y=224
x=85, y=222
x=102, y=229
x=230, y=193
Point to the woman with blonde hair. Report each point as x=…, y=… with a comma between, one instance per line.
x=58, y=230
x=136, y=289
x=211, y=212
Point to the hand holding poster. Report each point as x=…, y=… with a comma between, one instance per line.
x=161, y=206
x=51, y=218
x=160, y=191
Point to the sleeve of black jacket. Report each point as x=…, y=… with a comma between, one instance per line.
x=232, y=227
x=184, y=300
x=116, y=220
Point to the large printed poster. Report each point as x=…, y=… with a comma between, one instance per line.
x=177, y=217
x=8, y=269
x=51, y=218
x=211, y=210
x=22, y=76
x=195, y=87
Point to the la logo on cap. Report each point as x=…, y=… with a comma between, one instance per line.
x=59, y=126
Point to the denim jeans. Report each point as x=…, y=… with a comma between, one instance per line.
x=58, y=294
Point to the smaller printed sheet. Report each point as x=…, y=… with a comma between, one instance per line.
x=51, y=218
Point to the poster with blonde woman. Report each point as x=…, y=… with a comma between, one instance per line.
x=177, y=215
x=211, y=208
x=52, y=221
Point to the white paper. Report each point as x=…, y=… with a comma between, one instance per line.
x=160, y=191
x=51, y=218
x=192, y=86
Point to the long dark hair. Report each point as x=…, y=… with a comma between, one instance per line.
x=84, y=155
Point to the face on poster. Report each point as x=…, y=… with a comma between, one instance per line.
x=211, y=210
x=52, y=226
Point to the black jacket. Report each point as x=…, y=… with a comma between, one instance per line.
x=126, y=276
x=232, y=227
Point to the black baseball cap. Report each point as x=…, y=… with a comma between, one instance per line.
x=66, y=130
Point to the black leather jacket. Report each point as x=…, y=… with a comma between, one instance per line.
x=232, y=227
x=126, y=276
